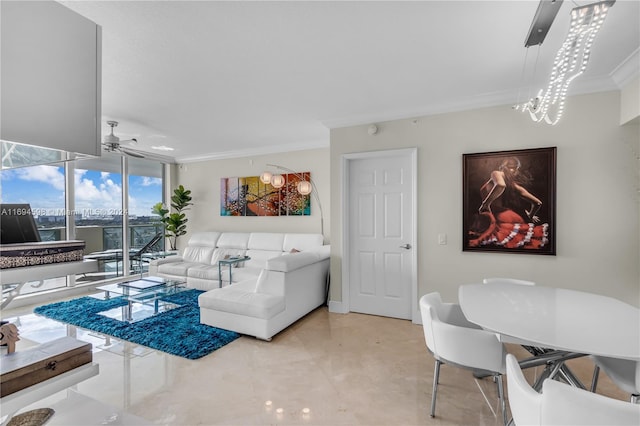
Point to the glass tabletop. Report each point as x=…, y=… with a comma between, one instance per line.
x=140, y=286
x=555, y=318
x=145, y=297
x=232, y=260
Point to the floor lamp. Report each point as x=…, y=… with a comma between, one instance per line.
x=304, y=187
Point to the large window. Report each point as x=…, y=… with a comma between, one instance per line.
x=100, y=211
x=96, y=212
x=145, y=190
x=43, y=188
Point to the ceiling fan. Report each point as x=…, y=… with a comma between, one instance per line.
x=112, y=143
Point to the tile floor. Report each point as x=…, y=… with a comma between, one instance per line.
x=326, y=369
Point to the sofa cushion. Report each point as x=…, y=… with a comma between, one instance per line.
x=204, y=239
x=176, y=268
x=259, y=257
x=205, y=272
x=241, y=274
x=240, y=299
x=266, y=241
x=198, y=254
x=210, y=272
x=237, y=240
x=301, y=242
x=273, y=286
x=225, y=253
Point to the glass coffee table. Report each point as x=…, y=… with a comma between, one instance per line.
x=145, y=297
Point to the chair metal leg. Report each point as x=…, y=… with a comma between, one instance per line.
x=570, y=378
x=594, y=379
x=635, y=398
x=546, y=373
x=503, y=406
x=436, y=378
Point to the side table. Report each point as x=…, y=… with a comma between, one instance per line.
x=229, y=262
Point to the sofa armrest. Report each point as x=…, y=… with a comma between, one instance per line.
x=292, y=261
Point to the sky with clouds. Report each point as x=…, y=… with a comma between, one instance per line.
x=43, y=188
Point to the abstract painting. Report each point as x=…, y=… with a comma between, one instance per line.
x=249, y=196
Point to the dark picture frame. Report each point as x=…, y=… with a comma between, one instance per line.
x=509, y=201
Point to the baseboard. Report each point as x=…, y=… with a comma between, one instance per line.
x=337, y=307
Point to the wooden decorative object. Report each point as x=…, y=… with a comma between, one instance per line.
x=36, y=417
x=34, y=365
x=9, y=336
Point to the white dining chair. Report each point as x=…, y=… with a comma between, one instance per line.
x=507, y=281
x=524, y=401
x=623, y=372
x=452, y=339
x=563, y=404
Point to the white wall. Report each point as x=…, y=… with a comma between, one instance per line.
x=50, y=76
x=598, y=195
x=203, y=179
x=630, y=102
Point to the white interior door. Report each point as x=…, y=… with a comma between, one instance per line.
x=380, y=192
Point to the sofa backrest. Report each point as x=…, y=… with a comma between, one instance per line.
x=200, y=247
x=198, y=254
x=263, y=246
x=204, y=239
x=301, y=242
x=209, y=247
x=266, y=241
x=234, y=240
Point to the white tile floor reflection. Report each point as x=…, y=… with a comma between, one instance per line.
x=327, y=369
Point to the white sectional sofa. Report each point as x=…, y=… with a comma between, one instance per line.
x=285, y=278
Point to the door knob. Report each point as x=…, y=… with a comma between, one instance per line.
x=406, y=246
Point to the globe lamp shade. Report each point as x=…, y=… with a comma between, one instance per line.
x=277, y=181
x=265, y=177
x=304, y=187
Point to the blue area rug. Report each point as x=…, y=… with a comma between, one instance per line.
x=177, y=332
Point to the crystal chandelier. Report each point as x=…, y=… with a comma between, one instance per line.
x=570, y=62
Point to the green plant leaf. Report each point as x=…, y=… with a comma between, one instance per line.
x=175, y=223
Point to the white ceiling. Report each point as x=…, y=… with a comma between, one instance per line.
x=217, y=79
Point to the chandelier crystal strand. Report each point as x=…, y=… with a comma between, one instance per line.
x=570, y=62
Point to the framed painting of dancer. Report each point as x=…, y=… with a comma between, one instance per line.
x=509, y=201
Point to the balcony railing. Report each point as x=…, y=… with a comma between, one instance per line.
x=101, y=239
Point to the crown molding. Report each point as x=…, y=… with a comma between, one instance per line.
x=248, y=152
x=485, y=100
x=495, y=99
x=627, y=70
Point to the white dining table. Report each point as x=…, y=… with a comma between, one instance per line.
x=555, y=318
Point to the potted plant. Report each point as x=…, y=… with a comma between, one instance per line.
x=175, y=224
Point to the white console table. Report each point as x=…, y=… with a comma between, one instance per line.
x=14, y=402
x=13, y=279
